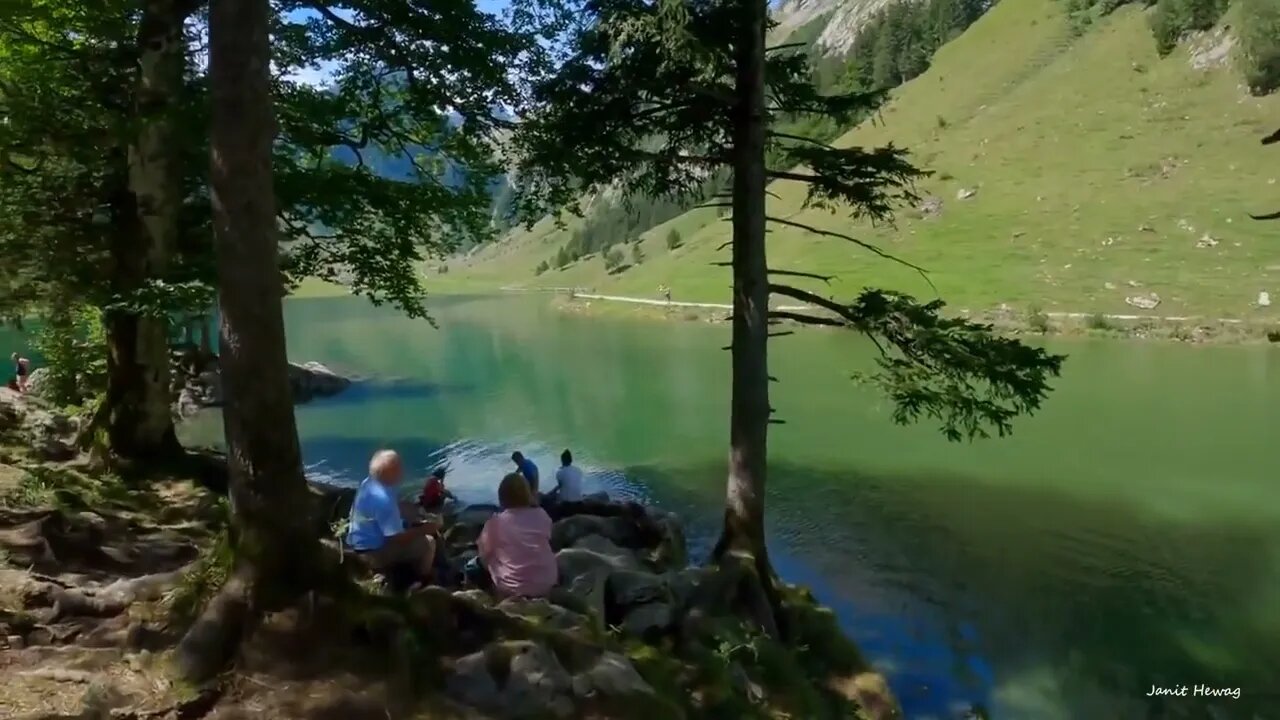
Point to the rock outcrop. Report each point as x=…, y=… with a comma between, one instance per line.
x=197, y=382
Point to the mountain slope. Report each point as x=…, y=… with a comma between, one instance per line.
x=1101, y=172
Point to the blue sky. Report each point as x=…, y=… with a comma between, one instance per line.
x=320, y=75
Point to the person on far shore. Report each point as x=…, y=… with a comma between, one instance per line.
x=526, y=468
x=377, y=530
x=21, y=367
x=515, y=544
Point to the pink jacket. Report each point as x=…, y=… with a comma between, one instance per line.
x=515, y=546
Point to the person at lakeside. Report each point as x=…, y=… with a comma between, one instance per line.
x=568, y=487
x=434, y=493
x=377, y=530
x=21, y=367
x=515, y=544
x=526, y=468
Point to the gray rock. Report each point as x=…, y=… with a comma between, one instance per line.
x=966, y=193
x=478, y=514
x=543, y=612
x=612, y=675
x=685, y=583
x=312, y=380
x=931, y=207
x=198, y=383
x=649, y=619
x=536, y=683
x=586, y=588
x=606, y=551
x=672, y=551
x=620, y=530
x=1145, y=302
x=627, y=587
x=471, y=683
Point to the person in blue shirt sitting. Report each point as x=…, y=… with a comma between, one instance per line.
x=526, y=468
x=377, y=530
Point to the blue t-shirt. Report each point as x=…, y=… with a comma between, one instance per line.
x=375, y=515
x=530, y=473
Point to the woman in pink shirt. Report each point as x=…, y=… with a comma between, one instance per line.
x=515, y=545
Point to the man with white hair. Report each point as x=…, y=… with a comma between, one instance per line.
x=377, y=530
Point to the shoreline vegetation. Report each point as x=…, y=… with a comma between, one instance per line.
x=1021, y=322
x=1010, y=321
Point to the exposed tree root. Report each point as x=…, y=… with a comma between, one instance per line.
x=104, y=602
x=212, y=642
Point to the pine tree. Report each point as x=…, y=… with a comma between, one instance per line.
x=655, y=99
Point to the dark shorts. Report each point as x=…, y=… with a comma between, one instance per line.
x=392, y=554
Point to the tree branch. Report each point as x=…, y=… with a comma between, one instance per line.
x=849, y=238
x=805, y=319
x=800, y=138
x=784, y=46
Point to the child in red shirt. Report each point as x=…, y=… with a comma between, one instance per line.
x=434, y=493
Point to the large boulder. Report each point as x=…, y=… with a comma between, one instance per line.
x=513, y=680
x=618, y=529
x=312, y=380
x=197, y=382
x=595, y=549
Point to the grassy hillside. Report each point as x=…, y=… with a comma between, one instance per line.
x=1098, y=168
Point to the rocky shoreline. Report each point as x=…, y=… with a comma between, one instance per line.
x=196, y=382
x=99, y=573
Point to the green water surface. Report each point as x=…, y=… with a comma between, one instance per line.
x=1127, y=536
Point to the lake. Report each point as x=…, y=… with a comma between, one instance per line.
x=1127, y=536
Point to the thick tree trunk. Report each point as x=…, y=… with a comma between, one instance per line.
x=139, y=422
x=277, y=552
x=742, y=540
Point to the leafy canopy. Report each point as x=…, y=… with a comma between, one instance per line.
x=388, y=162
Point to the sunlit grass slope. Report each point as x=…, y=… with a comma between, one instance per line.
x=1101, y=172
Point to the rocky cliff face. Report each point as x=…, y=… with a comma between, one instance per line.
x=843, y=19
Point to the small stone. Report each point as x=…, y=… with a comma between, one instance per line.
x=1207, y=241
x=1109, y=285
x=1145, y=302
x=1264, y=299
x=966, y=193
x=15, y=642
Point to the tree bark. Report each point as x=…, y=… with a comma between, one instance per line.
x=139, y=422
x=742, y=540
x=277, y=553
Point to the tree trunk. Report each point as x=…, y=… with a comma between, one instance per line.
x=139, y=422
x=277, y=552
x=742, y=540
